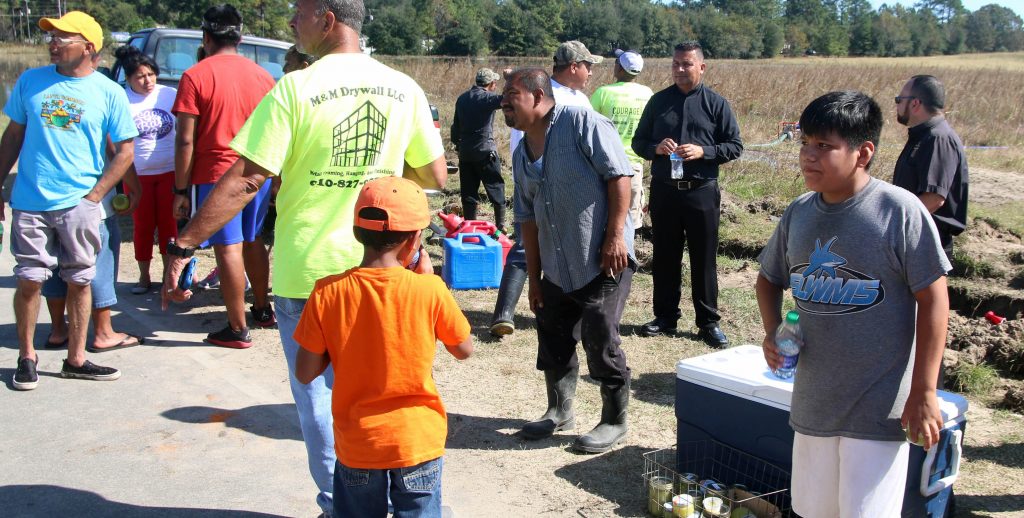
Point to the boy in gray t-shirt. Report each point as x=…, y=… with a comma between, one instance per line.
x=865, y=267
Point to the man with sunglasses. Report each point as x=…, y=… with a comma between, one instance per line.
x=933, y=163
x=61, y=117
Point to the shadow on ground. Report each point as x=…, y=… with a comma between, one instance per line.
x=278, y=421
x=44, y=500
x=658, y=388
x=1009, y=455
x=468, y=432
x=614, y=476
x=976, y=506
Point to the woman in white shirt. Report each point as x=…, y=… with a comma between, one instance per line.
x=154, y=158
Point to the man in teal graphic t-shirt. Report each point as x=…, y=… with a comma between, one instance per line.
x=61, y=116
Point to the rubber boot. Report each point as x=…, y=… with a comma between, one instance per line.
x=612, y=427
x=512, y=281
x=561, y=385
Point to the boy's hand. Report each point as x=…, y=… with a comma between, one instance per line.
x=423, y=265
x=771, y=352
x=921, y=417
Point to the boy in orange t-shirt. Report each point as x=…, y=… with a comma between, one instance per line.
x=378, y=324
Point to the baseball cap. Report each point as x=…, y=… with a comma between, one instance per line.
x=76, y=22
x=486, y=76
x=630, y=61
x=403, y=202
x=574, y=52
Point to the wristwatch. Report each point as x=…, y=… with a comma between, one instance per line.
x=180, y=192
x=175, y=250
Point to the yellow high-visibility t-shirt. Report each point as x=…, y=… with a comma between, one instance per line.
x=326, y=131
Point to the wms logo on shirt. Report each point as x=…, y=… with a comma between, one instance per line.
x=61, y=113
x=825, y=286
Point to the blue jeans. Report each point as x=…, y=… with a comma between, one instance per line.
x=102, y=286
x=313, y=402
x=415, y=491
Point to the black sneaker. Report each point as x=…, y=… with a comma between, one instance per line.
x=264, y=317
x=89, y=371
x=228, y=337
x=25, y=378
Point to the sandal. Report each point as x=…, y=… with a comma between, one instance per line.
x=129, y=340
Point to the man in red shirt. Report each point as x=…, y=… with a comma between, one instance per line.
x=215, y=97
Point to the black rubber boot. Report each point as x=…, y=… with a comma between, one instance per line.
x=561, y=385
x=499, y=215
x=512, y=281
x=612, y=427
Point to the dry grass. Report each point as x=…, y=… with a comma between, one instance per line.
x=984, y=107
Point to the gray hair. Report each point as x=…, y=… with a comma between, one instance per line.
x=349, y=12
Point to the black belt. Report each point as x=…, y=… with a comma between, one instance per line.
x=687, y=185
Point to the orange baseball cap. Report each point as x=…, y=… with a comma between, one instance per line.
x=403, y=202
x=76, y=22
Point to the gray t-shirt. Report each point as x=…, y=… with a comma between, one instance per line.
x=853, y=269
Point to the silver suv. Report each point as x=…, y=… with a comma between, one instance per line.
x=174, y=51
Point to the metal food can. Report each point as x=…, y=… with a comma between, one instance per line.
x=659, y=492
x=682, y=506
x=713, y=487
x=688, y=483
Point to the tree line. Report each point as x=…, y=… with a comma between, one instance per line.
x=726, y=28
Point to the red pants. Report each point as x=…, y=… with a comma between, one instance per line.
x=154, y=212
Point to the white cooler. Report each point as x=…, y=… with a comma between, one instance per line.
x=731, y=396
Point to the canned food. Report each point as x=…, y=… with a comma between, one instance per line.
x=688, y=483
x=659, y=492
x=682, y=506
x=712, y=486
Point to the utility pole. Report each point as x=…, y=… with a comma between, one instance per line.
x=28, y=25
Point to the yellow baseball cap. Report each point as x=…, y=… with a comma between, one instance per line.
x=76, y=22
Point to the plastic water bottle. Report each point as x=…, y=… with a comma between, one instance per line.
x=789, y=340
x=677, y=166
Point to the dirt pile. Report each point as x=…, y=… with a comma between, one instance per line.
x=973, y=342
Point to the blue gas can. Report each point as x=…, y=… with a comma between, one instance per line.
x=471, y=261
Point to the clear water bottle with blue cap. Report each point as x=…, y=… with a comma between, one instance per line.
x=677, y=166
x=789, y=339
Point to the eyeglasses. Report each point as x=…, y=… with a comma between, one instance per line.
x=61, y=42
x=902, y=97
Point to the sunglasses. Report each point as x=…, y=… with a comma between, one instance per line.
x=61, y=42
x=900, y=98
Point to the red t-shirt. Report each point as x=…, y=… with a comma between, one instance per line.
x=222, y=90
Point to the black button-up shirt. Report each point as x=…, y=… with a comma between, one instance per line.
x=472, y=131
x=701, y=117
x=934, y=160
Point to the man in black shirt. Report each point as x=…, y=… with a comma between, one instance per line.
x=478, y=158
x=692, y=122
x=933, y=164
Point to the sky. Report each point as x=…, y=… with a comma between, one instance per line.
x=970, y=5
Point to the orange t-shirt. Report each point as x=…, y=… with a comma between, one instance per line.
x=380, y=326
x=222, y=90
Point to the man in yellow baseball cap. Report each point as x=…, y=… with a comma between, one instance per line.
x=76, y=22
x=62, y=116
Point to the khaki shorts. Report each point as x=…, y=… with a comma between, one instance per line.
x=70, y=238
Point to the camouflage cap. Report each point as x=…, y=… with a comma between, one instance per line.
x=486, y=76
x=574, y=52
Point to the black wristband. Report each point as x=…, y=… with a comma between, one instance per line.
x=177, y=251
x=181, y=192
